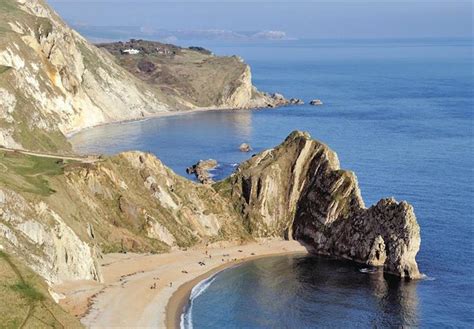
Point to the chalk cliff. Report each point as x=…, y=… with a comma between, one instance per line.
x=58, y=216
x=299, y=191
x=53, y=82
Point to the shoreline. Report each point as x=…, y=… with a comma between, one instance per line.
x=180, y=298
x=164, y=114
x=150, y=290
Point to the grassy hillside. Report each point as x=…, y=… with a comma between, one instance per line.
x=26, y=302
x=192, y=74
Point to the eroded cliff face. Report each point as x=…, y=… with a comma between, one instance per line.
x=59, y=215
x=44, y=240
x=53, y=82
x=298, y=190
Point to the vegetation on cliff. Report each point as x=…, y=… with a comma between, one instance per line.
x=26, y=302
x=53, y=82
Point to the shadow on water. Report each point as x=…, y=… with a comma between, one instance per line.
x=301, y=291
x=336, y=290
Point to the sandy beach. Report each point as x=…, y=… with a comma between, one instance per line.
x=146, y=290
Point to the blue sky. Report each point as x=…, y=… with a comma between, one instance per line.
x=308, y=19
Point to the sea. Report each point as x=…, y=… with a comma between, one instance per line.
x=399, y=113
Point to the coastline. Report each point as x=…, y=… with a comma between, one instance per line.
x=165, y=114
x=127, y=297
x=180, y=298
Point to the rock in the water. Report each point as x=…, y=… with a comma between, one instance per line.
x=276, y=100
x=316, y=102
x=298, y=190
x=244, y=147
x=201, y=170
x=296, y=101
x=278, y=96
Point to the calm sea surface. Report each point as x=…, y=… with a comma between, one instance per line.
x=400, y=114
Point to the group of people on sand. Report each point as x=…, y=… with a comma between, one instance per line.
x=154, y=285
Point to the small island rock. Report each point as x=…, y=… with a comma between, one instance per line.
x=201, y=170
x=316, y=102
x=244, y=147
x=296, y=101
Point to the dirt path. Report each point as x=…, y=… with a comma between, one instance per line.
x=83, y=159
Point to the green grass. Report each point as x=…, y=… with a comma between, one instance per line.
x=28, y=173
x=8, y=6
x=25, y=299
x=4, y=68
x=27, y=291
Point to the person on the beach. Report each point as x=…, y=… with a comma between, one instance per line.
x=171, y=284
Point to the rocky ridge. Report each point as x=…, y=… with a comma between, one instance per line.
x=59, y=216
x=201, y=170
x=298, y=190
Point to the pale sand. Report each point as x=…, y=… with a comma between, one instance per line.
x=125, y=298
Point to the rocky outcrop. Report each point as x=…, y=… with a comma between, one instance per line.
x=244, y=147
x=316, y=102
x=201, y=170
x=296, y=101
x=298, y=190
x=44, y=240
x=59, y=216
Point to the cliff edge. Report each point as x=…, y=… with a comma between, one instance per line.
x=53, y=82
x=299, y=191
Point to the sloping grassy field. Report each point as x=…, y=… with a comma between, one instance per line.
x=25, y=301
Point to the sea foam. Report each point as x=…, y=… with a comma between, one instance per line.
x=187, y=315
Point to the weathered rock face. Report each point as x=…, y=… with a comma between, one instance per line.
x=44, y=240
x=53, y=82
x=298, y=190
x=57, y=82
x=57, y=216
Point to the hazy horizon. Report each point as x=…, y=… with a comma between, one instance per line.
x=298, y=20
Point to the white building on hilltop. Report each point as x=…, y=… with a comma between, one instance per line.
x=131, y=51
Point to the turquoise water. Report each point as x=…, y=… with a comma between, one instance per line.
x=400, y=114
